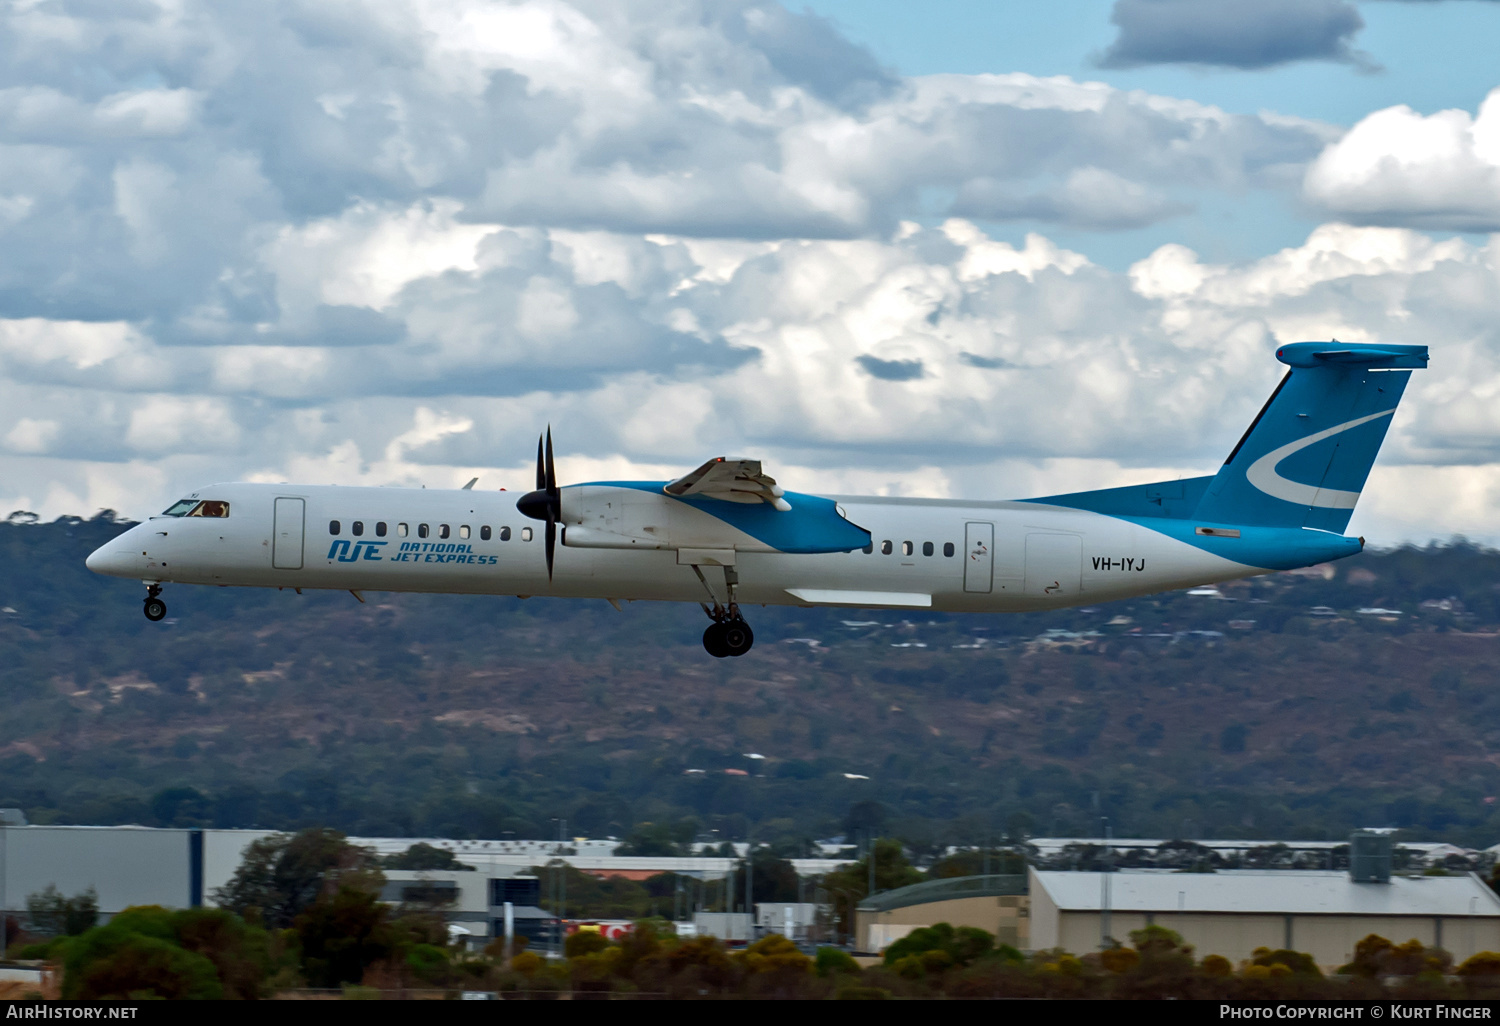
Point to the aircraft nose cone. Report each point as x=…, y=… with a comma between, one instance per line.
x=112, y=559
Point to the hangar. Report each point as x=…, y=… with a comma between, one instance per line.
x=1233, y=912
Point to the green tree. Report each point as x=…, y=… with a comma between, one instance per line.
x=140, y=953
x=592, y=897
x=340, y=935
x=283, y=875
x=960, y=946
x=424, y=856
x=53, y=915
x=1004, y=861
x=772, y=878
x=650, y=839
x=850, y=884
x=140, y=966
x=240, y=953
x=181, y=807
x=835, y=961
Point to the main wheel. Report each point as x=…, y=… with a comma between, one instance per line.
x=156, y=609
x=715, y=641
x=738, y=637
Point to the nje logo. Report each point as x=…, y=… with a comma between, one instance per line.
x=345, y=553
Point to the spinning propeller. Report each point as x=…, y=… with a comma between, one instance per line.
x=546, y=502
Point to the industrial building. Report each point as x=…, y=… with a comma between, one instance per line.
x=1233, y=912
x=181, y=868
x=997, y=903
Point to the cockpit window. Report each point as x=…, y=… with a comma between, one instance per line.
x=195, y=508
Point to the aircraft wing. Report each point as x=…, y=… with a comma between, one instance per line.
x=731, y=479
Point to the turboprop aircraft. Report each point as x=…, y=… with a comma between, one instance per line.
x=728, y=536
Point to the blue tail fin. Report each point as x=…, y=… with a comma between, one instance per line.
x=1305, y=457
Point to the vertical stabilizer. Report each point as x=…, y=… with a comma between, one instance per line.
x=1305, y=458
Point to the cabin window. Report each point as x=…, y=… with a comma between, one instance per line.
x=333, y=527
x=357, y=528
x=484, y=533
x=505, y=534
x=400, y=530
x=380, y=529
x=421, y=530
x=442, y=530
x=906, y=548
x=885, y=547
x=948, y=549
x=526, y=534
x=927, y=548
x=210, y=508
x=868, y=548
x=463, y=532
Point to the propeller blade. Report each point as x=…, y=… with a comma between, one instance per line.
x=541, y=480
x=551, y=470
x=551, y=541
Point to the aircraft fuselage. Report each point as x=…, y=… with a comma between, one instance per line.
x=938, y=554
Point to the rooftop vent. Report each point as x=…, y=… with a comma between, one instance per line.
x=1370, y=856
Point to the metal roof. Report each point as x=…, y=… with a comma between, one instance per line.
x=945, y=890
x=1278, y=892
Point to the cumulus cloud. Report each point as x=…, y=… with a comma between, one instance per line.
x=1090, y=198
x=1231, y=33
x=388, y=243
x=189, y=165
x=1397, y=167
x=936, y=359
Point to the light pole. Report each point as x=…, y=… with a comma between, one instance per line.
x=560, y=885
x=749, y=906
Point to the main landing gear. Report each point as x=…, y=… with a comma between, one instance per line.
x=729, y=634
x=156, y=609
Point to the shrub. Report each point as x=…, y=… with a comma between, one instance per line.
x=1216, y=965
x=1119, y=959
x=1485, y=963
x=830, y=961
x=584, y=942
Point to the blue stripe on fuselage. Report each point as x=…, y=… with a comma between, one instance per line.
x=1267, y=548
x=811, y=525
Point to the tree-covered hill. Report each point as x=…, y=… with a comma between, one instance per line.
x=1250, y=713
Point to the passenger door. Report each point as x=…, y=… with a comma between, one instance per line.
x=287, y=534
x=979, y=557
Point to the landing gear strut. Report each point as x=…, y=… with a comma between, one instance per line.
x=156, y=609
x=729, y=634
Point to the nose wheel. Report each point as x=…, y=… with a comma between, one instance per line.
x=156, y=609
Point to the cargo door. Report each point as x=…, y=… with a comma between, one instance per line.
x=979, y=557
x=1054, y=565
x=287, y=534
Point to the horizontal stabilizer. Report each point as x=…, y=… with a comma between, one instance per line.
x=1313, y=354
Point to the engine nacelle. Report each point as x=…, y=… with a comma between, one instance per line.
x=607, y=516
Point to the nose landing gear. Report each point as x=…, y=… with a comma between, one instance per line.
x=156, y=609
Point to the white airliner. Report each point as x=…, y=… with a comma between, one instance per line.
x=727, y=536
